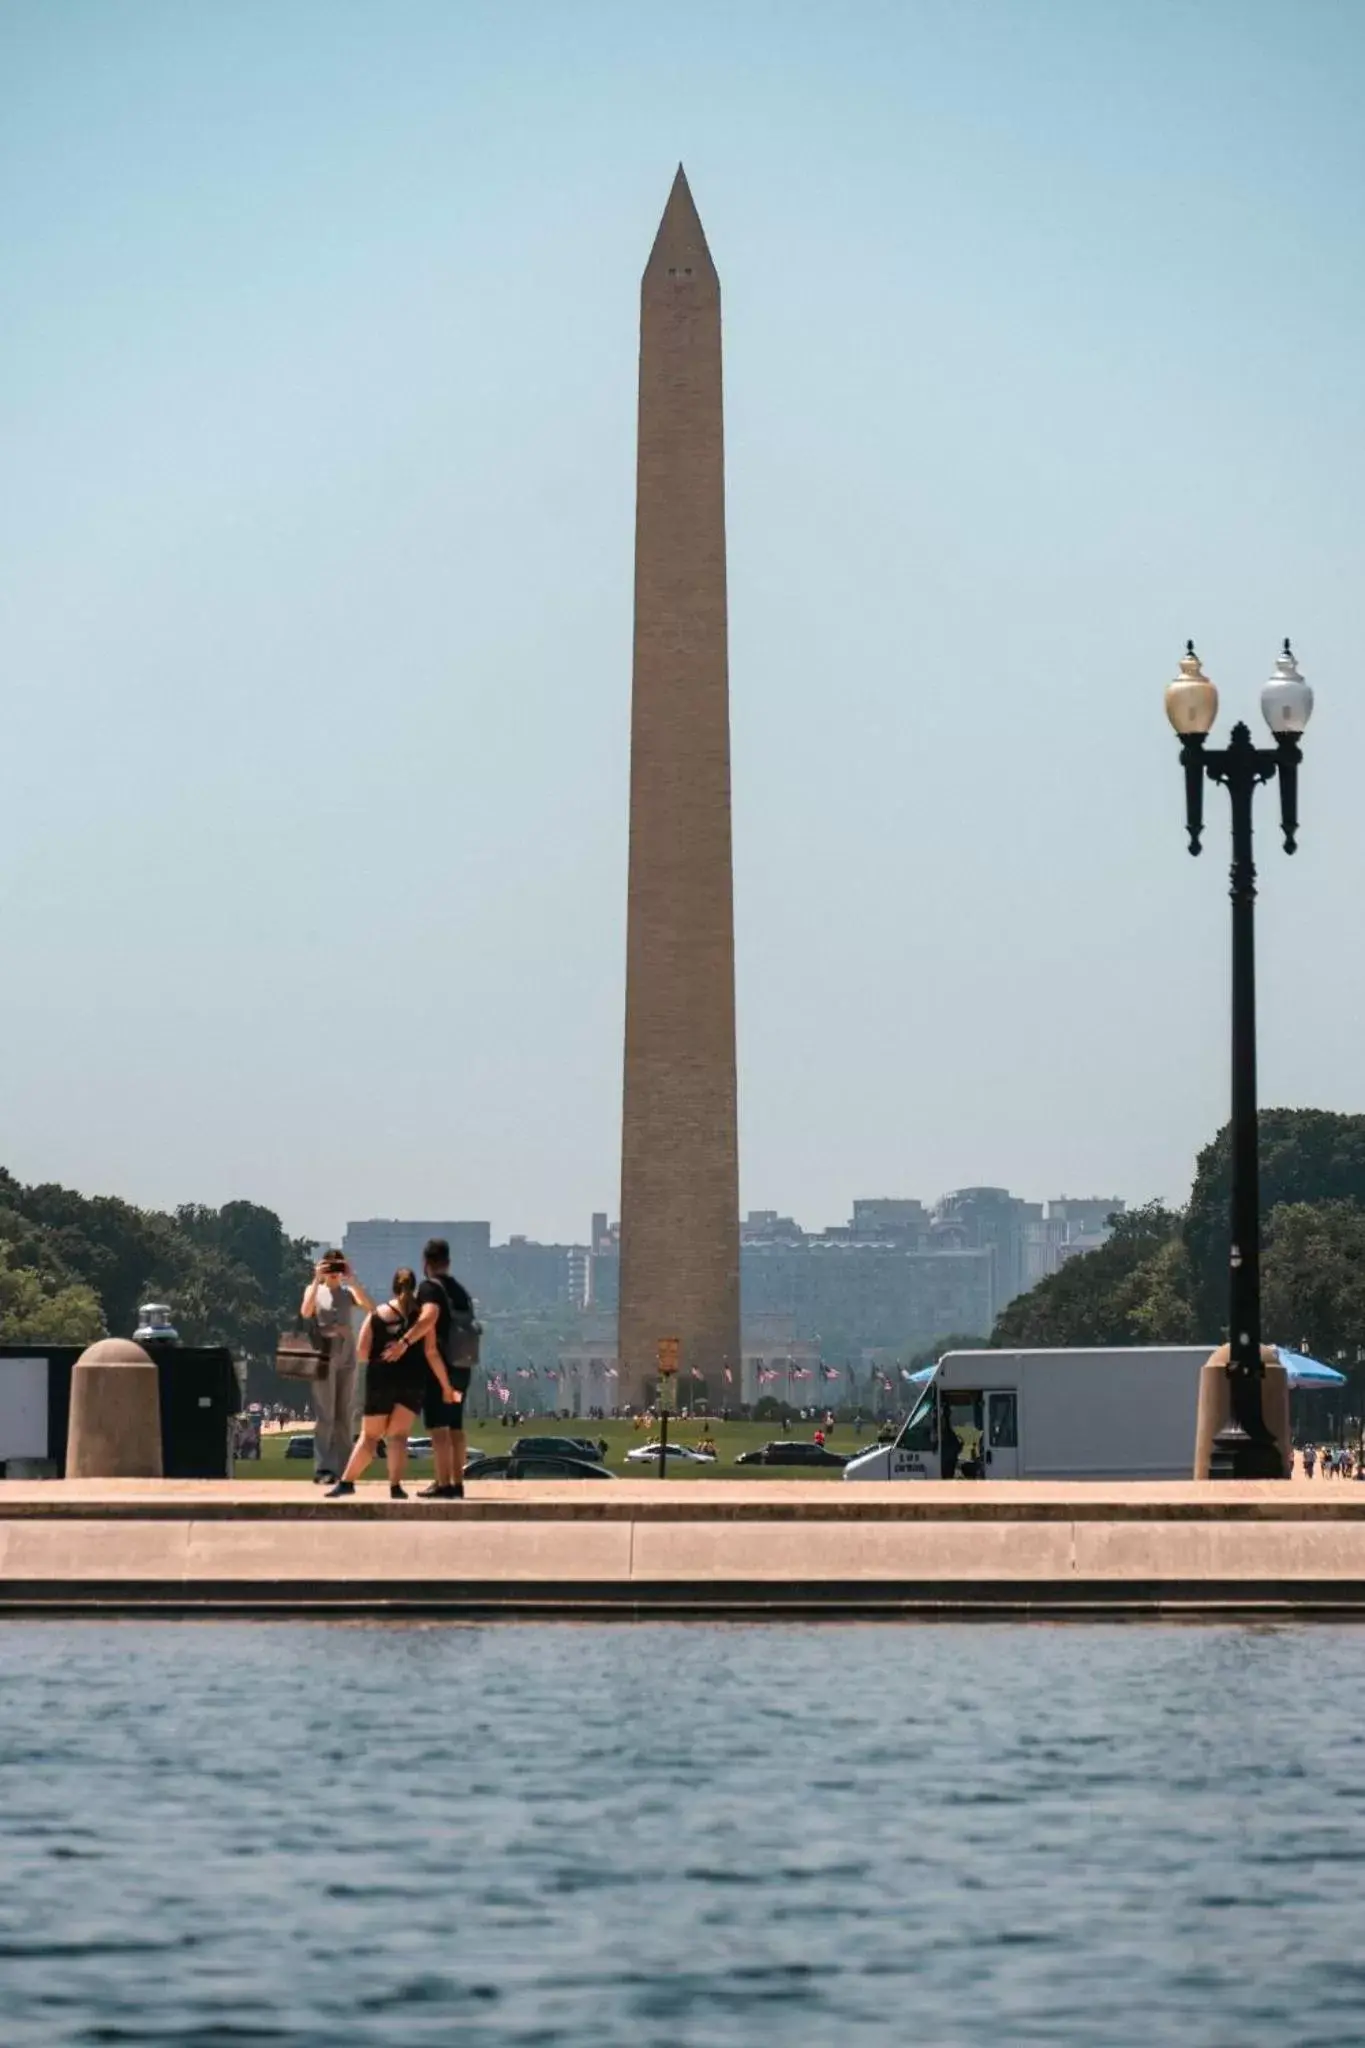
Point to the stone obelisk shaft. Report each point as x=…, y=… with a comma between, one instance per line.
x=679, y=1165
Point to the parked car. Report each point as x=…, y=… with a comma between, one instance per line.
x=418, y=1447
x=557, y=1447
x=790, y=1451
x=541, y=1464
x=648, y=1454
x=483, y=1466
x=299, y=1447
x=551, y=1468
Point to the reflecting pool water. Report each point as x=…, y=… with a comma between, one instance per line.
x=304, y=1833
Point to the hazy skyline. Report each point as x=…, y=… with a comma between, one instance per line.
x=1042, y=332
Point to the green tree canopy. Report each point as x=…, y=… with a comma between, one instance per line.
x=1306, y=1156
x=32, y=1312
x=230, y=1274
x=1162, y=1278
x=1132, y=1290
x=1313, y=1278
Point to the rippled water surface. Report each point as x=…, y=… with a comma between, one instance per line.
x=295, y=1833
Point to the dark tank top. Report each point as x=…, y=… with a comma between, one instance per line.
x=390, y=1324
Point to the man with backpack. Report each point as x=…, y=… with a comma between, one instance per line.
x=445, y=1309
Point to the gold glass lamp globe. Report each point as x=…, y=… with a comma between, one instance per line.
x=1191, y=699
x=1287, y=700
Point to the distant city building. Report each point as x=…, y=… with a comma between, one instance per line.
x=898, y=1274
x=854, y=1298
x=851, y=1295
x=891, y=1222
x=519, y=1276
x=604, y=1265
x=765, y=1226
x=1070, y=1226
x=378, y=1246
x=992, y=1220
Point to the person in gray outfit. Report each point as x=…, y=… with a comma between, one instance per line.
x=330, y=1300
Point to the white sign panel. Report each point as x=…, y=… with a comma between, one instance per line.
x=23, y=1408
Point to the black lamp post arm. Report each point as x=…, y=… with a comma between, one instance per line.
x=1288, y=758
x=1192, y=761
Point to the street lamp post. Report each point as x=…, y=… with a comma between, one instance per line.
x=1247, y=1449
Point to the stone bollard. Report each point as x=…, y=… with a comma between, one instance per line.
x=1215, y=1406
x=115, y=1426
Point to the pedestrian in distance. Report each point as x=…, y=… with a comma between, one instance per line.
x=445, y=1318
x=393, y=1393
x=950, y=1449
x=330, y=1302
x=1310, y=1457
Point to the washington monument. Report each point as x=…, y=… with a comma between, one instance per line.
x=679, y=1148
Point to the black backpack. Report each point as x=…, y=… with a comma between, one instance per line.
x=462, y=1341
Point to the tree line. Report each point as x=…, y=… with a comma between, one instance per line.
x=1162, y=1277
x=75, y=1267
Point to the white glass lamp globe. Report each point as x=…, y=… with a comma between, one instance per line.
x=1191, y=699
x=1287, y=700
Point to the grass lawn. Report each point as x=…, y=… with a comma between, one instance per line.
x=730, y=1438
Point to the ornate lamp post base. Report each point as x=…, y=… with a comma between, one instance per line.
x=1235, y=1455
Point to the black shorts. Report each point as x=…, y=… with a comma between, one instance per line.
x=394, y=1386
x=437, y=1413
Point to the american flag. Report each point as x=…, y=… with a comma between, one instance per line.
x=526, y=1372
x=503, y=1393
x=729, y=1377
x=802, y=1373
x=829, y=1372
x=766, y=1375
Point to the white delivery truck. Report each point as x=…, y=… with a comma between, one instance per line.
x=1120, y=1414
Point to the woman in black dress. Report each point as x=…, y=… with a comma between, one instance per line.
x=393, y=1393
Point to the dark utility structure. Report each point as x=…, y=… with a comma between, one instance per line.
x=199, y=1393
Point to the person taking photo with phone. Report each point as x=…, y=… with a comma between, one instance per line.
x=330, y=1302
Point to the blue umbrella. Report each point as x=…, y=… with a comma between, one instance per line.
x=1304, y=1371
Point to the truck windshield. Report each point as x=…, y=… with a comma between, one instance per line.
x=921, y=1431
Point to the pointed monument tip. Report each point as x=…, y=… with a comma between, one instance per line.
x=681, y=239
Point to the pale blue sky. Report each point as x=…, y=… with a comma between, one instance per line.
x=1044, y=332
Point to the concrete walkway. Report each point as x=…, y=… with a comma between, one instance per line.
x=645, y=1547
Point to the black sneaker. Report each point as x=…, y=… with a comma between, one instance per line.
x=455, y=1492
x=341, y=1491
x=397, y=1492
x=432, y=1492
